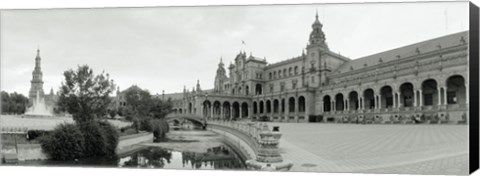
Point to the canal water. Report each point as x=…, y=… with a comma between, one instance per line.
x=184, y=149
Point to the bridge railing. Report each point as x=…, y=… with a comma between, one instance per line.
x=248, y=131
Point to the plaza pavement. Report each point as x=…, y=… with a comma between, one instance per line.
x=373, y=148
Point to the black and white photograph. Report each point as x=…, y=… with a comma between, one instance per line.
x=375, y=88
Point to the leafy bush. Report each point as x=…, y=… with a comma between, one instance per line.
x=95, y=139
x=65, y=142
x=160, y=128
x=111, y=136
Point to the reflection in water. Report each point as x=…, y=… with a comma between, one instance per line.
x=220, y=157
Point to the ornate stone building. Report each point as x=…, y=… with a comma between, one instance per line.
x=36, y=85
x=424, y=82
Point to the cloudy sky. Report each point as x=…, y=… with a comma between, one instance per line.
x=167, y=48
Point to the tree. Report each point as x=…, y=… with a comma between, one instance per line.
x=85, y=95
x=159, y=108
x=138, y=101
x=13, y=103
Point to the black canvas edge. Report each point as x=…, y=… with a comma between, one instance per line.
x=473, y=87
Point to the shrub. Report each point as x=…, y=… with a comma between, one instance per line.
x=94, y=137
x=65, y=142
x=111, y=136
x=160, y=128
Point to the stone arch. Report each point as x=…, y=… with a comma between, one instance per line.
x=255, y=108
x=429, y=93
x=327, y=106
x=301, y=104
x=353, y=100
x=282, y=105
x=339, y=102
x=235, y=110
x=226, y=110
x=207, y=105
x=275, y=106
x=386, y=97
x=406, y=97
x=216, y=109
x=291, y=104
x=456, y=90
x=369, y=98
x=261, y=106
x=268, y=106
x=244, y=110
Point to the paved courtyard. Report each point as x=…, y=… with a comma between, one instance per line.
x=406, y=149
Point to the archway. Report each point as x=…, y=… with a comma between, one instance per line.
x=283, y=105
x=269, y=106
x=244, y=110
x=226, y=110
x=236, y=110
x=327, y=107
x=369, y=99
x=261, y=107
x=339, y=102
x=207, y=109
x=406, y=94
x=353, y=100
x=301, y=104
x=291, y=104
x=456, y=90
x=255, y=108
x=275, y=106
x=429, y=92
x=386, y=97
x=216, y=109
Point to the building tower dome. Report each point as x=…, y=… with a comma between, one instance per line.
x=36, y=82
x=317, y=37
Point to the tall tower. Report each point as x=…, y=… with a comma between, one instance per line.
x=313, y=60
x=36, y=82
x=220, y=78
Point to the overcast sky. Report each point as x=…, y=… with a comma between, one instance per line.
x=167, y=48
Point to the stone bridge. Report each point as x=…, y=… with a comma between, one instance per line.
x=179, y=118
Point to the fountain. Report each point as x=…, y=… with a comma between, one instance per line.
x=38, y=109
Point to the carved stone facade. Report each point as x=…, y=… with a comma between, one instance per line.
x=425, y=82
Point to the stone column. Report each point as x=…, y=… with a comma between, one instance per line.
x=346, y=106
x=445, y=95
x=395, y=99
x=222, y=116
x=400, y=99
x=334, y=108
x=287, y=108
x=211, y=111
x=230, y=115
x=250, y=112
x=363, y=103
x=439, y=92
x=421, y=98
x=379, y=101
x=240, y=113
x=414, y=98
x=467, y=94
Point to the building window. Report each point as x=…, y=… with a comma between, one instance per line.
x=295, y=70
x=270, y=75
x=294, y=84
x=282, y=86
x=451, y=97
x=285, y=72
x=271, y=87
